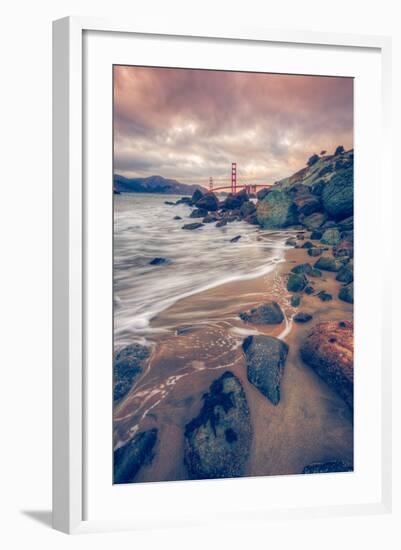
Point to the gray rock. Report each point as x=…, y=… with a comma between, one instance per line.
x=331, y=237
x=326, y=263
x=191, y=226
x=338, y=195
x=265, y=356
x=302, y=317
x=295, y=300
x=269, y=313
x=129, y=458
x=314, y=221
x=198, y=213
x=324, y=296
x=208, y=202
x=302, y=268
x=347, y=293
x=315, y=251
x=235, y=239
x=346, y=274
x=128, y=365
x=296, y=282
x=277, y=210
x=217, y=442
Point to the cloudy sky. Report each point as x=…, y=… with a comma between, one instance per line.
x=189, y=124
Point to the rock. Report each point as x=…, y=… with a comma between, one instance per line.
x=208, y=202
x=296, y=282
x=347, y=224
x=158, y=261
x=329, y=224
x=331, y=237
x=231, y=202
x=346, y=274
x=265, y=356
x=307, y=204
x=317, y=187
x=197, y=195
x=302, y=268
x=177, y=218
x=221, y=223
x=269, y=313
x=210, y=218
x=129, y=458
x=191, y=226
x=309, y=289
x=327, y=263
x=324, y=296
x=344, y=248
x=184, y=200
x=247, y=209
x=127, y=367
x=235, y=239
x=252, y=219
x=315, y=272
x=327, y=467
x=307, y=244
x=313, y=159
x=314, y=221
x=338, y=195
x=262, y=193
x=314, y=251
x=295, y=300
x=276, y=210
x=346, y=293
x=339, y=150
x=217, y=442
x=300, y=236
x=329, y=350
x=302, y=317
x=198, y=213
x=169, y=203
x=291, y=242
x=242, y=196
x=316, y=235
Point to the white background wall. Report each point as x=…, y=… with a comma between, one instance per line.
x=25, y=401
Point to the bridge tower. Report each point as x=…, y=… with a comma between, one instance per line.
x=210, y=184
x=233, y=177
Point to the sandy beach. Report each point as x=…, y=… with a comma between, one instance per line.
x=201, y=337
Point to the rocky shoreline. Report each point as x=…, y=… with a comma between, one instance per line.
x=316, y=207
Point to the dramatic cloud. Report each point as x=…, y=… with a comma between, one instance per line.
x=191, y=124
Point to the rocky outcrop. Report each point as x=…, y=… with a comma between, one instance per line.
x=197, y=195
x=329, y=350
x=338, y=195
x=129, y=458
x=208, y=202
x=218, y=440
x=265, y=357
x=327, y=467
x=277, y=210
x=269, y=313
x=128, y=365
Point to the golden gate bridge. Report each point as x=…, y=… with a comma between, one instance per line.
x=234, y=186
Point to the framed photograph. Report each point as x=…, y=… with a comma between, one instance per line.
x=220, y=335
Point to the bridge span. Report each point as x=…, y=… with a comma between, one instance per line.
x=234, y=186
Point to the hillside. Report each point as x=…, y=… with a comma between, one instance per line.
x=153, y=184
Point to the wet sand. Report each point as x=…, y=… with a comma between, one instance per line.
x=201, y=337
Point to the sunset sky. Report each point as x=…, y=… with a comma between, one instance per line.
x=189, y=125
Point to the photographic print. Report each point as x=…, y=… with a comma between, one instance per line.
x=232, y=274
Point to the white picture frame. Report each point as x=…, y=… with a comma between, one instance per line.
x=70, y=258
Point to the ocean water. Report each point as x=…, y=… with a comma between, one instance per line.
x=144, y=228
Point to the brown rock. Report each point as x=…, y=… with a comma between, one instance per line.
x=329, y=350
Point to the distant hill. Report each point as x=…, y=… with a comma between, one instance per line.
x=153, y=184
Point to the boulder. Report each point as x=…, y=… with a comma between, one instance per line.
x=317, y=187
x=221, y=223
x=197, y=195
x=344, y=248
x=313, y=159
x=231, y=202
x=316, y=235
x=346, y=293
x=128, y=365
x=252, y=219
x=329, y=350
x=277, y=210
x=129, y=458
x=235, y=239
x=327, y=263
x=177, y=218
x=302, y=317
x=330, y=237
x=184, y=200
x=346, y=274
x=309, y=289
x=291, y=242
x=210, y=218
x=191, y=226
x=339, y=150
x=314, y=252
x=208, y=202
x=314, y=221
x=247, y=209
x=218, y=441
x=265, y=357
x=169, y=203
x=347, y=224
x=269, y=313
x=296, y=282
x=332, y=466
x=307, y=204
x=338, y=195
x=198, y=213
